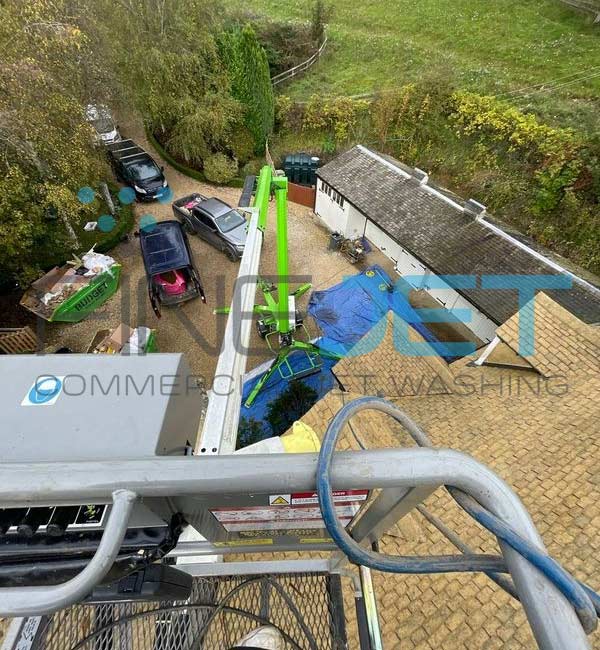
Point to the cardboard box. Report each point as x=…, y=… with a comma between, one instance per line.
x=120, y=336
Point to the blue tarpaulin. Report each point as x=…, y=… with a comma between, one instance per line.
x=322, y=382
x=345, y=313
x=350, y=309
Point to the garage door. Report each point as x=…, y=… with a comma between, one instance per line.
x=442, y=292
x=413, y=271
x=385, y=244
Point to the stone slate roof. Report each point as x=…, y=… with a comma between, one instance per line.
x=446, y=239
x=407, y=378
x=536, y=428
x=561, y=343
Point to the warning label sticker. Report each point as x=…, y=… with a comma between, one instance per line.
x=280, y=499
x=270, y=518
x=339, y=496
x=289, y=512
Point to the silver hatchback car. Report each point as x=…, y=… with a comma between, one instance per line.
x=104, y=125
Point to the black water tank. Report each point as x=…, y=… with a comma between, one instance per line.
x=301, y=168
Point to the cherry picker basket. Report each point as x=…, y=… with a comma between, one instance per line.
x=307, y=609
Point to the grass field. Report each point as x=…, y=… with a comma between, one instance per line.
x=493, y=47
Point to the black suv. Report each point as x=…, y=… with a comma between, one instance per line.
x=212, y=219
x=136, y=168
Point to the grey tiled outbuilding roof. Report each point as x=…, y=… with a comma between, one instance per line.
x=432, y=226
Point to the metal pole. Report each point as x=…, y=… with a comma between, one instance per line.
x=219, y=432
x=263, y=193
x=284, y=326
x=370, y=603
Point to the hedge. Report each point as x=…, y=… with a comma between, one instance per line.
x=125, y=221
x=124, y=224
x=187, y=171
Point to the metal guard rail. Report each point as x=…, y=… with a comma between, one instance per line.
x=553, y=620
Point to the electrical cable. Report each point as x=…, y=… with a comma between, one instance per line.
x=583, y=599
x=557, y=87
x=547, y=84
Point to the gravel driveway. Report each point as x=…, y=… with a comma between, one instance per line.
x=192, y=328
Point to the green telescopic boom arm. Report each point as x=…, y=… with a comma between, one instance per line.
x=266, y=184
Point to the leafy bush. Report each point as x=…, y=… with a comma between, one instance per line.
x=242, y=144
x=203, y=128
x=219, y=168
x=573, y=231
x=291, y=405
x=287, y=44
x=328, y=145
x=338, y=115
x=554, y=154
x=184, y=169
x=283, y=108
x=252, y=167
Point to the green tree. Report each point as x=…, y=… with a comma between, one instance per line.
x=171, y=71
x=46, y=146
x=250, y=431
x=248, y=68
x=321, y=15
x=290, y=406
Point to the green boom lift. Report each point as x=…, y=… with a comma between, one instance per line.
x=279, y=320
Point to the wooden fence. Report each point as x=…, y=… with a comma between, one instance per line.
x=301, y=67
x=591, y=6
x=17, y=340
x=302, y=194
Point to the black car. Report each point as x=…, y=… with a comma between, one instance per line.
x=170, y=271
x=212, y=219
x=137, y=169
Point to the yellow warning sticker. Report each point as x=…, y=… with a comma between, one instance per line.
x=280, y=499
